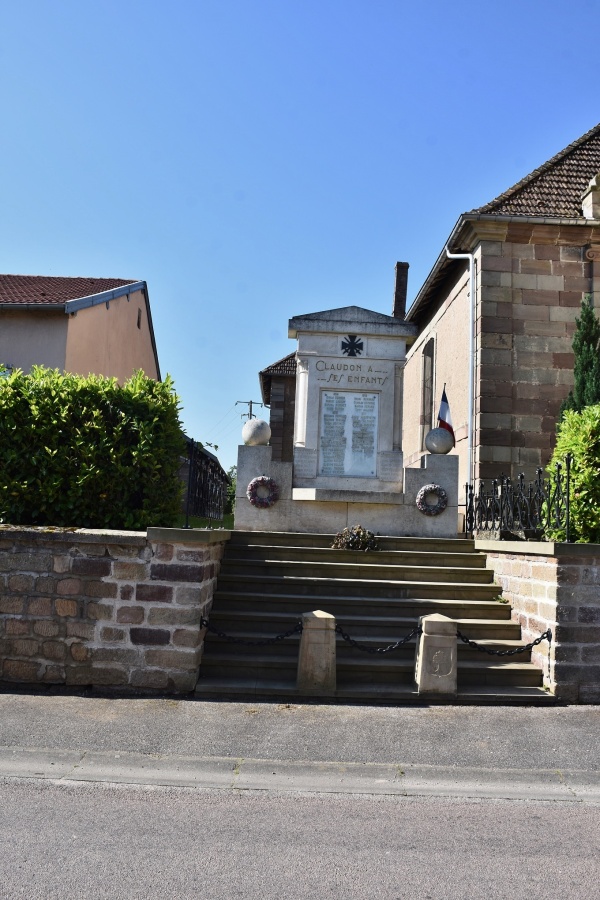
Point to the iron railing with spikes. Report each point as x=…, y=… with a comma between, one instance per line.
x=510, y=508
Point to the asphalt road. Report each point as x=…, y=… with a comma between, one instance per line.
x=152, y=798
x=501, y=737
x=86, y=841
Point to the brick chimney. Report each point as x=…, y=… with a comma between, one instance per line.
x=399, y=309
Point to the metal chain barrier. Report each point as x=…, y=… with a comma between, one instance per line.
x=297, y=629
x=546, y=636
x=366, y=649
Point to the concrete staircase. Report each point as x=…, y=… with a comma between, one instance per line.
x=268, y=579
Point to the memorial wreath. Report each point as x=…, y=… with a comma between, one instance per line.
x=271, y=497
x=436, y=508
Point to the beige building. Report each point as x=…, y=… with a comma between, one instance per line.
x=81, y=325
x=496, y=324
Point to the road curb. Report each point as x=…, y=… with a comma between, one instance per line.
x=283, y=776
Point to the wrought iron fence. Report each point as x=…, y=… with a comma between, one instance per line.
x=207, y=482
x=512, y=508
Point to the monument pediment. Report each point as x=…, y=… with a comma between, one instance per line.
x=349, y=318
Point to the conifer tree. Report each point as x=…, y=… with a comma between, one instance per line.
x=586, y=347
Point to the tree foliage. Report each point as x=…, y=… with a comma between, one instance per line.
x=231, y=488
x=579, y=435
x=88, y=452
x=586, y=344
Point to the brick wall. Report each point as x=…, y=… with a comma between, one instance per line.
x=281, y=417
x=555, y=586
x=118, y=609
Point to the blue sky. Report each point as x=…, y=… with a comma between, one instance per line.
x=253, y=161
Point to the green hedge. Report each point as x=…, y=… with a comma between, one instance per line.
x=88, y=452
x=579, y=434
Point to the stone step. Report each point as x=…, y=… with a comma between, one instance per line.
x=269, y=623
x=289, y=646
x=267, y=580
x=429, y=558
x=233, y=582
x=256, y=689
x=299, y=539
x=366, y=667
x=341, y=605
x=275, y=568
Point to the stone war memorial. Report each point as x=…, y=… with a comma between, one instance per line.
x=345, y=463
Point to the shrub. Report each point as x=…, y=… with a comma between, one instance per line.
x=87, y=452
x=579, y=435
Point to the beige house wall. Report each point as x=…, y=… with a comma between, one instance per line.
x=33, y=338
x=107, y=341
x=449, y=329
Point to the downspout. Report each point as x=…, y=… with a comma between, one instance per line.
x=471, y=401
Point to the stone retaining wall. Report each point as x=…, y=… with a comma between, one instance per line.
x=114, y=608
x=555, y=586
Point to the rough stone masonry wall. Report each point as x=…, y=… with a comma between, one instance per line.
x=555, y=586
x=119, y=609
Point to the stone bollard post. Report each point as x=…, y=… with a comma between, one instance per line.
x=435, y=664
x=316, y=659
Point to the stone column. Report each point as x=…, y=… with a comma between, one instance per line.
x=316, y=659
x=301, y=403
x=398, y=403
x=435, y=665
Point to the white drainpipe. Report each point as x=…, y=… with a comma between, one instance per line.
x=471, y=403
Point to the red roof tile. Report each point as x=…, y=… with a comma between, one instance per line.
x=555, y=189
x=48, y=290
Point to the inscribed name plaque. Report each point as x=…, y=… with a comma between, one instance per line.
x=348, y=434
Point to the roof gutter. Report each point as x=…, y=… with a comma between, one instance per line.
x=72, y=306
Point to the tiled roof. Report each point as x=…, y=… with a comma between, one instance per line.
x=49, y=290
x=555, y=188
x=285, y=366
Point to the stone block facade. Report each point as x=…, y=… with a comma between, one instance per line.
x=529, y=295
x=555, y=586
x=106, y=609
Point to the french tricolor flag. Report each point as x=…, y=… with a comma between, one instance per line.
x=444, y=417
